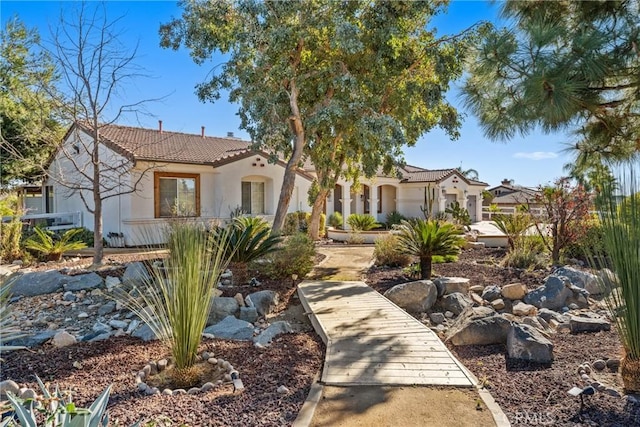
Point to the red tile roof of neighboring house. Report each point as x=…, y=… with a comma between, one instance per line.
x=417, y=174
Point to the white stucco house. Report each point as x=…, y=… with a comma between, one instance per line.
x=209, y=177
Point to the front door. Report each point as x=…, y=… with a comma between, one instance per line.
x=471, y=207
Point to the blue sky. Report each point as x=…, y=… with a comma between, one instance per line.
x=531, y=160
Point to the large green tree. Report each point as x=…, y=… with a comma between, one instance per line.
x=345, y=84
x=29, y=120
x=563, y=65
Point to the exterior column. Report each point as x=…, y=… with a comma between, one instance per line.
x=346, y=204
x=442, y=200
x=479, y=204
x=373, y=201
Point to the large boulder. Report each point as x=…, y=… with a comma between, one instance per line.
x=524, y=342
x=588, y=324
x=491, y=293
x=581, y=279
x=33, y=283
x=479, y=326
x=82, y=282
x=144, y=332
x=449, y=285
x=231, y=328
x=414, y=297
x=135, y=274
x=514, y=291
x=264, y=301
x=222, y=307
x=275, y=329
x=455, y=303
x=34, y=340
x=552, y=295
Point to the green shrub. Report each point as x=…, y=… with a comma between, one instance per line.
x=294, y=222
x=10, y=238
x=394, y=218
x=444, y=259
x=591, y=242
x=335, y=220
x=387, y=252
x=52, y=248
x=529, y=253
x=295, y=256
x=362, y=222
x=83, y=235
x=459, y=214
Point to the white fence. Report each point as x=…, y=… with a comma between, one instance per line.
x=487, y=214
x=54, y=221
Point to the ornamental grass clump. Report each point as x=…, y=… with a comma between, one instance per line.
x=175, y=301
x=621, y=253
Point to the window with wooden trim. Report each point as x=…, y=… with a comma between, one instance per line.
x=176, y=194
x=253, y=197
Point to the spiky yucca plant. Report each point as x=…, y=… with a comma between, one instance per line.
x=425, y=238
x=176, y=300
x=621, y=253
x=8, y=332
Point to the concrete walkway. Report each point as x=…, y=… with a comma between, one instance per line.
x=371, y=341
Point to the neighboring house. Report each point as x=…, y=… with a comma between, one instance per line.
x=507, y=197
x=208, y=178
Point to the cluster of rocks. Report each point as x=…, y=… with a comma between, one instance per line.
x=512, y=315
x=586, y=370
x=225, y=373
x=50, y=306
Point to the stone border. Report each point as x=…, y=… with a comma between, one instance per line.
x=154, y=367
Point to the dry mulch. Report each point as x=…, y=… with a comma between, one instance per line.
x=531, y=395
x=292, y=360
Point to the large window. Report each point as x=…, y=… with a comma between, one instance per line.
x=176, y=194
x=253, y=197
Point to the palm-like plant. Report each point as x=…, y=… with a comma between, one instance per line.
x=362, y=222
x=425, y=238
x=176, y=300
x=621, y=253
x=249, y=239
x=52, y=248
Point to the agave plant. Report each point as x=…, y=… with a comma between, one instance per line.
x=58, y=410
x=175, y=301
x=52, y=248
x=425, y=238
x=621, y=253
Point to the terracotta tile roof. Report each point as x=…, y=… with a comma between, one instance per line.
x=174, y=147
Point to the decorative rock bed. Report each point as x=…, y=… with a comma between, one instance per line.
x=225, y=370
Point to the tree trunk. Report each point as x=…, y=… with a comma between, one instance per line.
x=289, y=179
x=98, y=248
x=425, y=267
x=316, y=212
